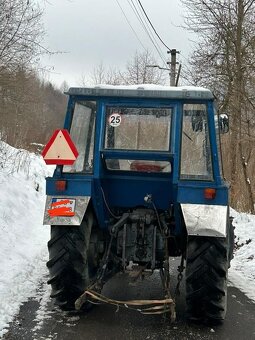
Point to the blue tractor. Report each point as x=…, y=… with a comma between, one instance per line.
x=147, y=185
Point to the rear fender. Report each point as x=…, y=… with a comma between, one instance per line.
x=205, y=220
x=80, y=207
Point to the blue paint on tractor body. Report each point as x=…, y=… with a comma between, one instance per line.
x=127, y=189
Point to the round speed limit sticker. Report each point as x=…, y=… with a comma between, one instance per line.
x=114, y=119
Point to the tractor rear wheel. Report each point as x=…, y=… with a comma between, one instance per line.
x=71, y=270
x=207, y=264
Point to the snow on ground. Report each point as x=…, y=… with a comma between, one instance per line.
x=242, y=271
x=43, y=296
x=23, y=242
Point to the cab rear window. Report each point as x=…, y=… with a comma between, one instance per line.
x=143, y=129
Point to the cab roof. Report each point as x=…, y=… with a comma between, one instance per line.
x=142, y=91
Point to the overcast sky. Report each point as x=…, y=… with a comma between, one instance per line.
x=95, y=31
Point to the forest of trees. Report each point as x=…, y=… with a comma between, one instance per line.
x=223, y=60
x=29, y=107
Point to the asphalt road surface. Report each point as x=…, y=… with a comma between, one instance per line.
x=41, y=320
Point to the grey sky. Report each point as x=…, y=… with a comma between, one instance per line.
x=94, y=31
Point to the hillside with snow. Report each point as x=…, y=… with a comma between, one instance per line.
x=23, y=242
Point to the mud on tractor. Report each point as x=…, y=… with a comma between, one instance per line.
x=147, y=185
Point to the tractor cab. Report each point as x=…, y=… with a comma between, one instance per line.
x=139, y=141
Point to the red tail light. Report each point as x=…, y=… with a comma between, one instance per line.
x=210, y=193
x=60, y=185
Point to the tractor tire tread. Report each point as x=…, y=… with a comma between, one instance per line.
x=67, y=264
x=206, y=278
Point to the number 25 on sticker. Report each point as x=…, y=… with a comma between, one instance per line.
x=114, y=119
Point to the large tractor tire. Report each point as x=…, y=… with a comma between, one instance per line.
x=71, y=270
x=207, y=263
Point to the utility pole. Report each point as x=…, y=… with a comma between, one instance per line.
x=173, y=64
x=174, y=77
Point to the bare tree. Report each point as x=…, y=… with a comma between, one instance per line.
x=64, y=87
x=101, y=75
x=105, y=75
x=98, y=75
x=224, y=60
x=20, y=33
x=84, y=80
x=113, y=76
x=138, y=72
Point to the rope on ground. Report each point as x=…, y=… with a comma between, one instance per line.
x=142, y=306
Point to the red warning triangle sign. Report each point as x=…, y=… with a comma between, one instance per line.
x=60, y=149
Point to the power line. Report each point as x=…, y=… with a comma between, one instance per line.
x=143, y=25
x=151, y=32
x=134, y=9
x=147, y=30
x=130, y=25
x=152, y=25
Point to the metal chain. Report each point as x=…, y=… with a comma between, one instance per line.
x=104, y=266
x=180, y=269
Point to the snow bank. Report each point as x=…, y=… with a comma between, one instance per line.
x=242, y=271
x=23, y=242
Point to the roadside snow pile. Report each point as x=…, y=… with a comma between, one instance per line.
x=242, y=271
x=23, y=241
